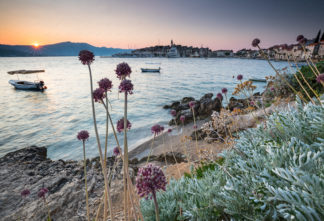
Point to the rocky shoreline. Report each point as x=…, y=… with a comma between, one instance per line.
x=29, y=168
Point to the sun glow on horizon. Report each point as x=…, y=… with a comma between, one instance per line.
x=36, y=45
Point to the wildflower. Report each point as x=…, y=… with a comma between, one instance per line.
x=126, y=86
x=224, y=90
x=156, y=129
x=116, y=151
x=182, y=118
x=25, y=193
x=83, y=135
x=169, y=130
x=120, y=125
x=272, y=89
x=99, y=95
x=86, y=57
x=42, y=192
x=255, y=42
x=219, y=96
x=300, y=37
x=173, y=113
x=105, y=84
x=252, y=103
x=149, y=180
x=320, y=78
x=123, y=70
x=192, y=104
x=239, y=77
x=195, y=127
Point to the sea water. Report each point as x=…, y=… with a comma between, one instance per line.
x=54, y=117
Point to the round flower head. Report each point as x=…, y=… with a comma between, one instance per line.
x=169, y=130
x=25, y=193
x=300, y=37
x=86, y=57
x=42, y=192
x=116, y=151
x=252, y=103
x=219, y=96
x=192, y=104
x=123, y=70
x=195, y=127
x=120, y=125
x=105, y=84
x=83, y=135
x=126, y=86
x=320, y=78
x=99, y=95
x=255, y=42
x=302, y=41
x=239, y=77
x=173, y=113
x=149, y=180
x=224, y=90
x=157, y=129
x=182, y=118
x=272, y=89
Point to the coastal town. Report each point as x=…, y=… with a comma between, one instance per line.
x=314, y=48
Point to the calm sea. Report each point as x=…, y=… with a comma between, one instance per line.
x=53, y=118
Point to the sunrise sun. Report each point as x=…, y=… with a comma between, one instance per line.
x=35, y=45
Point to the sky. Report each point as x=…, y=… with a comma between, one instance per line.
x=217, y=24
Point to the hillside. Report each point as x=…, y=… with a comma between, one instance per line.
x=58, y=49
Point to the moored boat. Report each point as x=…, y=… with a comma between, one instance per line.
x=37, y=85
x=150, y=69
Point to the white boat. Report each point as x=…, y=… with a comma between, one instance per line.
x=151, y=69
x=173, y=53
x=37, y=85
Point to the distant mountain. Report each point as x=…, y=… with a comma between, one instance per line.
x=59, y=49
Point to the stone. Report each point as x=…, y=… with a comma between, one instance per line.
x=186, y=100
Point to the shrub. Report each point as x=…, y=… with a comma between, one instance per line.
x=279, y=176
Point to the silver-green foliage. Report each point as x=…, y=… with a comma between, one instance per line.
x=279, y=176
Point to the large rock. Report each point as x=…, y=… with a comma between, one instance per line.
x=30, y=169
x=203, y=108
x=237, y=103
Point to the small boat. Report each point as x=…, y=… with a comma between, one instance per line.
x=257, y=80
x=37, y=85
x=151, y=69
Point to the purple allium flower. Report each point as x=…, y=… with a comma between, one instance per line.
x=173, y=113
x=182, y=118
x=302, y=41
x=123, y=70
x=25, y=192
x=239, y=77
x=120, y=125
x=42, y=192
x=116, y=151
x=169, y=130
x=86, y=57
x=126, y=86
x=224, y=90
x=194, y=126
x=99, y=94
x=255, y=42
x=219, y=96
x=320, y=78
x=150, y=179
x=105, y=84
x=252, y=103
x=192, y=104
x=157, y=129
x=83, y=135
x=272, y=89
x=300, y=37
